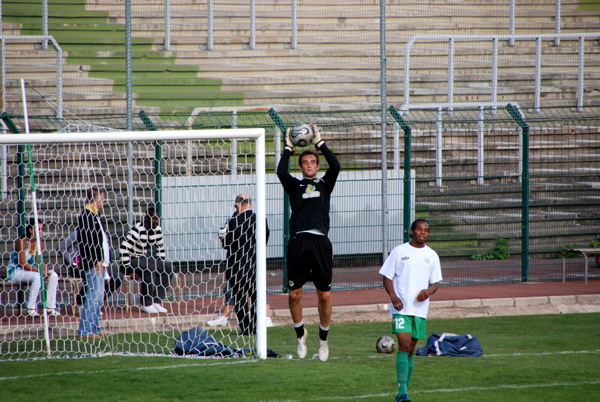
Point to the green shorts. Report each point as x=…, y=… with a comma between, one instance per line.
x=417, y=326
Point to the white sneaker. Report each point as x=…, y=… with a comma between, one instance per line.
x=323, y=350
x=218, y=322
x=52, y=312
x=160, y=308
x=149, y=309
x=301, y=348
x=32, y=312
x=269, y=322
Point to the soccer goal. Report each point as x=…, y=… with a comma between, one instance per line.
x=190, y=179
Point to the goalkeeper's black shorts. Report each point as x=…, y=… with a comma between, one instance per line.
x=309, y=259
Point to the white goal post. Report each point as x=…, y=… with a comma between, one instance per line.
x=258, y=205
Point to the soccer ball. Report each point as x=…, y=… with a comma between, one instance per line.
x=301, y=135
x=385, y=344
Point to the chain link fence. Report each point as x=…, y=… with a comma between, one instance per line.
x=468, y=168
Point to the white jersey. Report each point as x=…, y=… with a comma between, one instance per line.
x=411, y=270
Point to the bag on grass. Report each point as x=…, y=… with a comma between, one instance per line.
x=448, y=344
x=197, y=341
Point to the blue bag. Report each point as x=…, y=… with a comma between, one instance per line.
x=448, y=344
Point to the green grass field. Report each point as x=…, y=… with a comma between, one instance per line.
x=526, y=358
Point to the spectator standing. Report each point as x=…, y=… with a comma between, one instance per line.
x=92, y=240
x=238, y=237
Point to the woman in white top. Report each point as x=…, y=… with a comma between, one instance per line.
x=23, y=268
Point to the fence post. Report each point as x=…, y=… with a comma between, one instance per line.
x=20, y=176
x=294, y=43
x=45, y=24
x=518, y=117
x=233, y=148
x=557, y=22
x=3, y=61
x=538, y=73
x=480, y=146
x=286, y=205
x=494, y=72
x=210, y=38
x=438, y=147
x=407, y=190
x=384, y=167
x=157, y=164
x=511, y=29
x=450, y=73
x=580, y=75
x=167, y=25
x=252, y=44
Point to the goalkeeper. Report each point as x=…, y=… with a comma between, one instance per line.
x=238, y=237
x=309, y=254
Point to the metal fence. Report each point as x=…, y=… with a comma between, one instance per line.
x=506, y=195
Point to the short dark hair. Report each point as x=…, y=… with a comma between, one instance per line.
x=93, y=193
x=151, y=211
x=308, y=152
x=414, y=224
x=31, y=228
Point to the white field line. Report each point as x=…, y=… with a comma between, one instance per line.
x=443, y=390
x=174, y=366
x=179, y=366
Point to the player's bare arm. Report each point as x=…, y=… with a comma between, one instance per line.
x=425, y=293
x=389, y=288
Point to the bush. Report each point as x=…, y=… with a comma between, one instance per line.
x=565, y=253
x=499, y=252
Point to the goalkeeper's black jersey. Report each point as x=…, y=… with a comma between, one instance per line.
x=309, y=198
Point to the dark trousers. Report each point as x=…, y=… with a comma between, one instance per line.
x=149, y=268
x=244, y=297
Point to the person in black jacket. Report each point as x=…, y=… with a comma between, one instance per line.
x=93, y=243
x=238, y=237
x=309, y=253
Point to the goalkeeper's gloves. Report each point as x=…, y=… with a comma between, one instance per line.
x=316, y=139
x=288, y=142
x=222, y=232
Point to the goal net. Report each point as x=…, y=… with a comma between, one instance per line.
x=191, y=178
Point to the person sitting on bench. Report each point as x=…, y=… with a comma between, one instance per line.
x=23, y=267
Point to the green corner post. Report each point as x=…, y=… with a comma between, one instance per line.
x=286, y=205
x=157, y=164
x=518, y=117
x=407, y=188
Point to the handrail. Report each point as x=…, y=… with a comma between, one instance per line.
x=59, y=55
x=480, y=38
x=480, y=106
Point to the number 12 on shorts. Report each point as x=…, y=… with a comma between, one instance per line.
x=398, y=323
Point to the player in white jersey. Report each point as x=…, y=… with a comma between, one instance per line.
x=410, y=275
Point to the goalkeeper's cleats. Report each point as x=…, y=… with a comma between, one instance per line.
x=218, y=322
x=32, y=313
x=149, y=309
x=402, y=398
x=301, y=349
x=323, y=350
x=160, y=308
x=52, y=312
x=269, y=322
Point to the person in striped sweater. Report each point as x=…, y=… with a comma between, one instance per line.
x=143, y=253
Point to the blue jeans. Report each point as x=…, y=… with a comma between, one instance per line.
x=94, y=298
